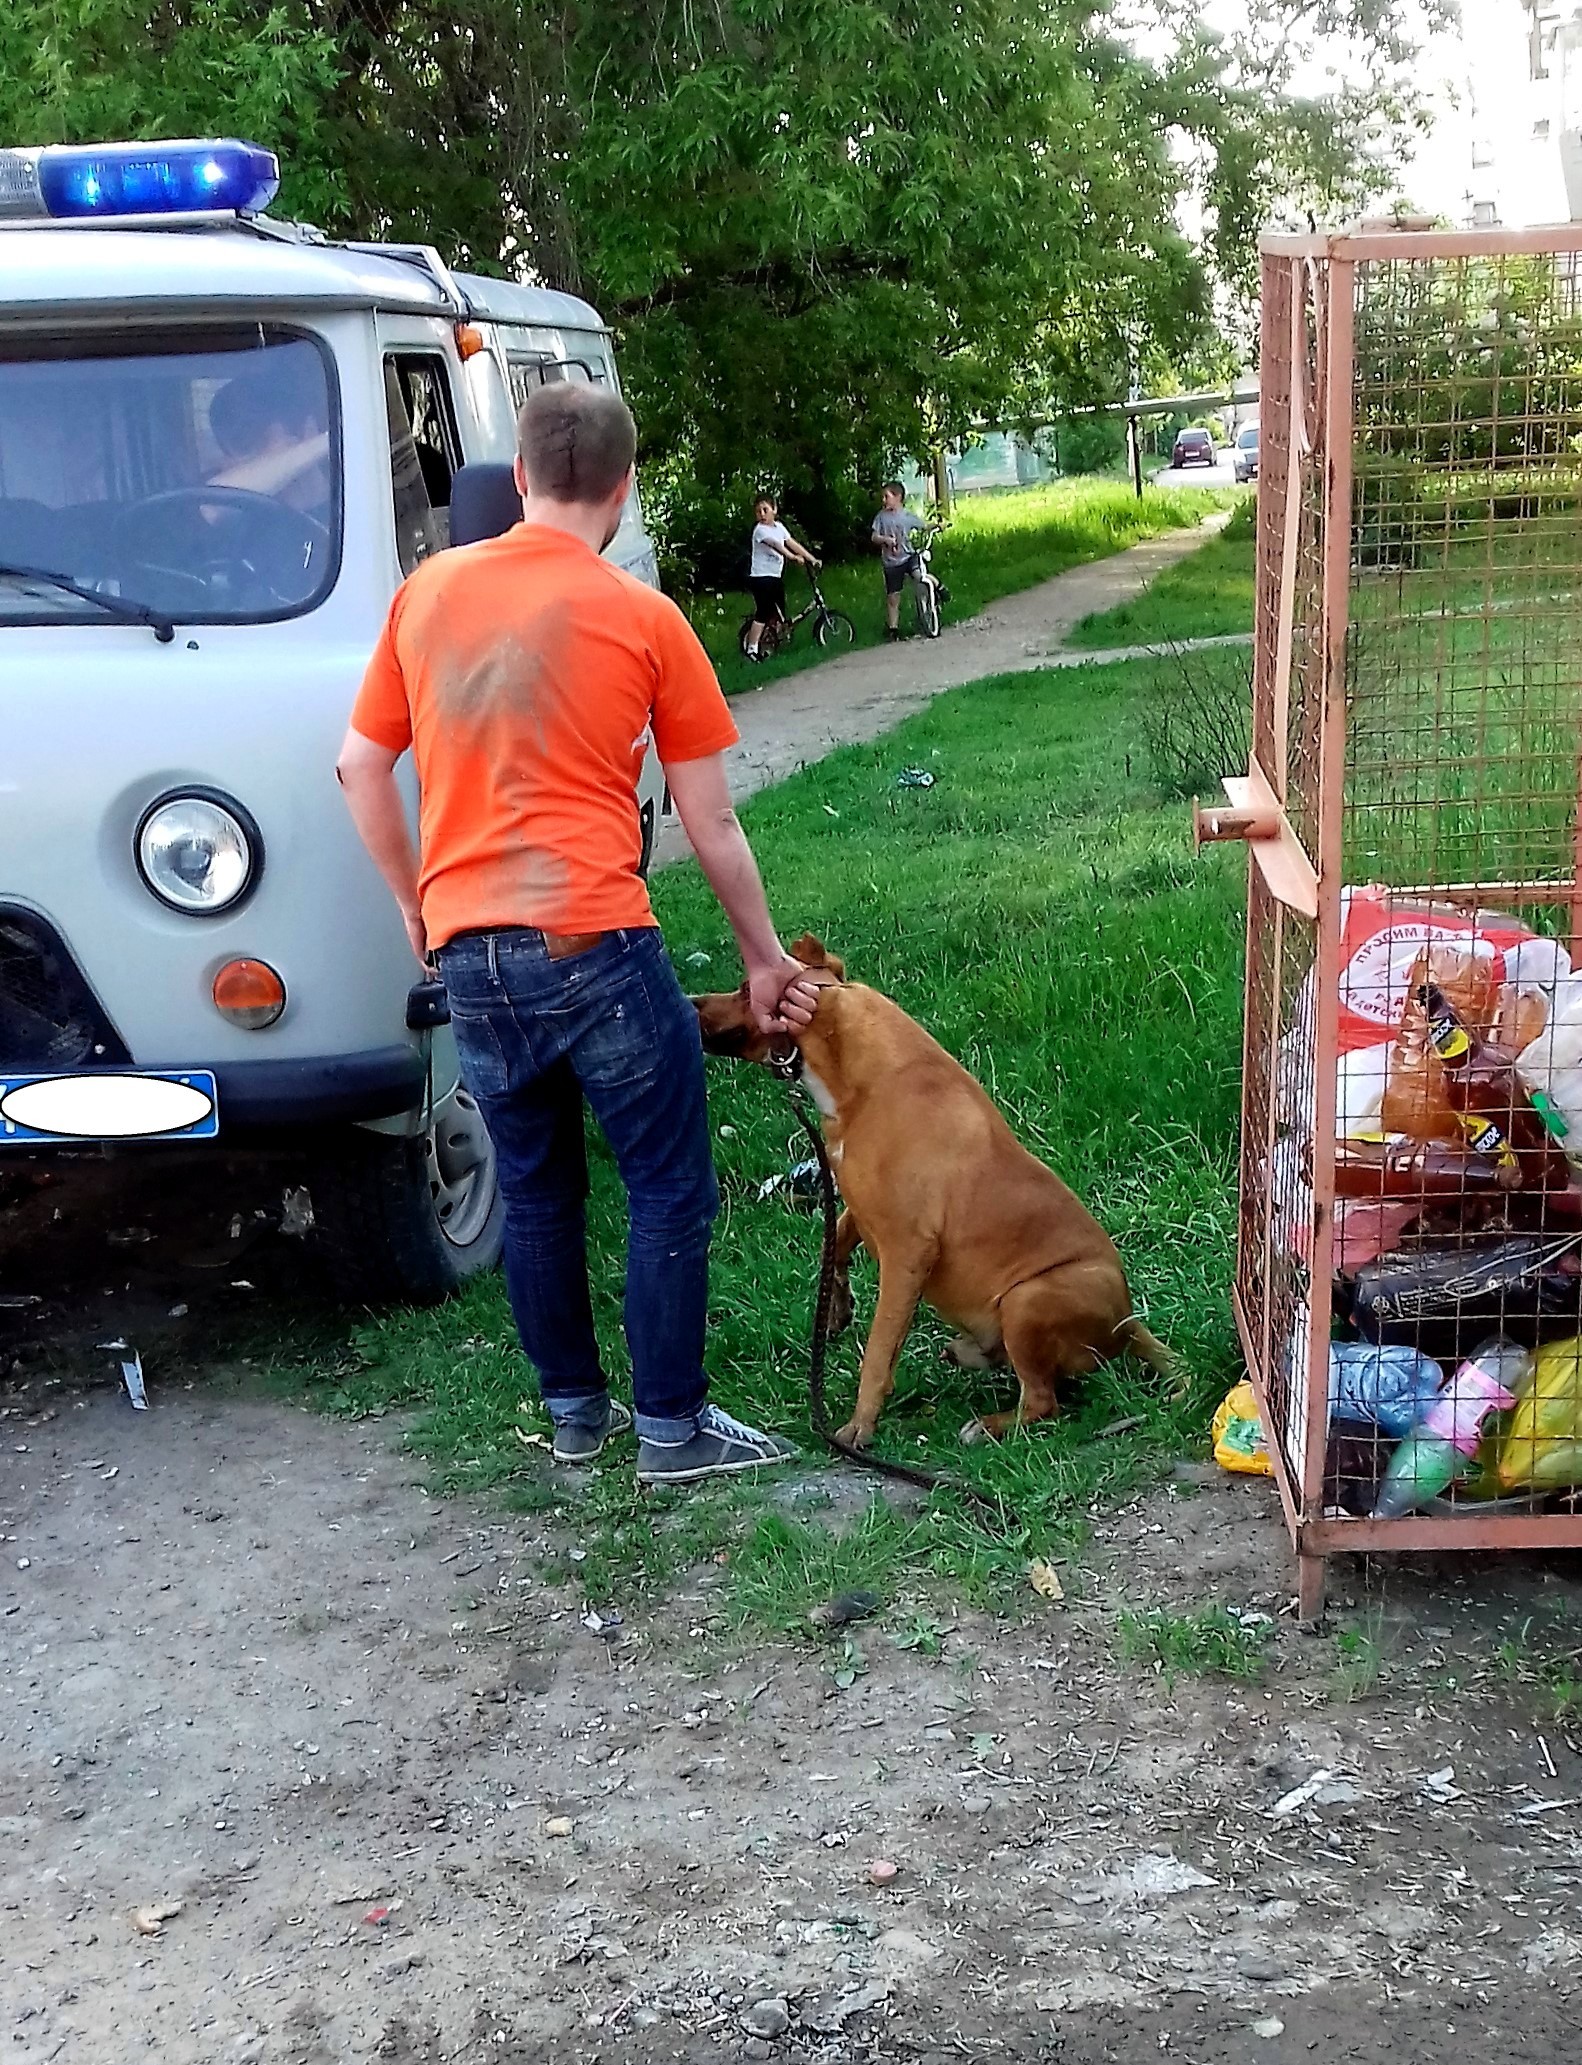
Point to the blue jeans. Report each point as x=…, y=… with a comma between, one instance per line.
x=535, y=1038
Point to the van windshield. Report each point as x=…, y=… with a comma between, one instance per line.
x=195, y=473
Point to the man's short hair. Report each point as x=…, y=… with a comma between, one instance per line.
x=576, y=443
x=895, y=487
x=244, y=411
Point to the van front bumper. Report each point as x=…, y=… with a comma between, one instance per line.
x=318, y=1090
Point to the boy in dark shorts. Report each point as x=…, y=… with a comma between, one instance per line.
x=773, y=545
x=892, y=533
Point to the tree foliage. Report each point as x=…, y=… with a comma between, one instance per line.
x=830, y=233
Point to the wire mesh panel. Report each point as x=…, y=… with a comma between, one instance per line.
x=1278, y=1201
x=1410, y=1272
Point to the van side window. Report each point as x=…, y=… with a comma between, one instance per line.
x=424, y=453
x=530, y=371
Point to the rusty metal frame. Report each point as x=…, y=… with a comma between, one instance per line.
x=1316, y=280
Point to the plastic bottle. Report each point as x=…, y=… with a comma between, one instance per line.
x=1494, y=1105
x=1385, y=1387
x=1440, y=1448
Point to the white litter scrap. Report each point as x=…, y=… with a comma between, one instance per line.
x=1439, y=1787
x=1324, y=1788
x=1156, y=1875
x=132, y=1378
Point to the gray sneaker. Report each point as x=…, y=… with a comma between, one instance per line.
x=581, y=1444
x=722, y=1447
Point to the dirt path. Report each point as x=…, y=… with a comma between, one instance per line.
x=861, y=694
x=413, y=1810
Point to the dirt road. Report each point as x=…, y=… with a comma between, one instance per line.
x=413, y=1809
x=801, y=717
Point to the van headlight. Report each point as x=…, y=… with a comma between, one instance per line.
x=198, y=852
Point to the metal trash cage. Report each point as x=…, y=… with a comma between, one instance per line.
x=1409, y=1268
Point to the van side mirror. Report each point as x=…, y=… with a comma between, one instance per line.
x=483, y=501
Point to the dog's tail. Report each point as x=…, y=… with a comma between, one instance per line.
x=1135, y=1339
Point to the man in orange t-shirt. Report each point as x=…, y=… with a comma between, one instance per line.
x=528, y=677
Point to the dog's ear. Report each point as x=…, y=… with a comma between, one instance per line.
x=811, y=953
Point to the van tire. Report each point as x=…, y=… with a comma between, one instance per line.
x=376, y=1224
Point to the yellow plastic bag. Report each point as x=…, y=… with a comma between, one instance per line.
x=1541, y=1446
x=1238, y=1434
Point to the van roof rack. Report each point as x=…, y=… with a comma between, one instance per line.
x=425, y=259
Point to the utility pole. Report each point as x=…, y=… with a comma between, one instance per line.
x=941, y=482
x=1134, y=433
x=1134, y=453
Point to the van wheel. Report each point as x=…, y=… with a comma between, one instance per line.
x=406, y=1222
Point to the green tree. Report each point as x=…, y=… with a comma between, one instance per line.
x=831, y=233
x=82, y=70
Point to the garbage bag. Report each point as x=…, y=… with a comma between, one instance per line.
x=1540, y=1448
x=1444, y=1301
x=1237, y=1431
x=1551, y=1063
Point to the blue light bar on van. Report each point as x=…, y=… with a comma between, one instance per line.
x=72, y=182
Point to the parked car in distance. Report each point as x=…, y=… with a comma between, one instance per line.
x=1193, y=448
x=1245, y=456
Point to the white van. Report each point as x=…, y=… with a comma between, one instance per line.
x=223, y=443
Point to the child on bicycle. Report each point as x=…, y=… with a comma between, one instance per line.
x=773, y=545
x=893, y=530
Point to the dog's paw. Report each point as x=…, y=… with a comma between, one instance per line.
x=853, y=1436
x=973, y=1433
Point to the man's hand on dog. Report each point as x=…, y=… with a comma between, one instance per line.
x=783, y=996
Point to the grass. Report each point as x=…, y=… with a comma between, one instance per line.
x=998, y=544
x=1463, y=706
x=1359, y=1661
x=1542, y=1656
x=1206, y=595
x=1210, y=1642
x=1040, y=910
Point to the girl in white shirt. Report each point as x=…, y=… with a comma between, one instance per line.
x=773, y=545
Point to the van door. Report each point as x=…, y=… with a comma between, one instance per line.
x=425, y=438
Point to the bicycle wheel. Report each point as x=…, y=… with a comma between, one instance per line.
x=927, y=602
x=834, y=628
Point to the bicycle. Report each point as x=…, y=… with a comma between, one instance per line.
x=831, y=627
x=928, y=593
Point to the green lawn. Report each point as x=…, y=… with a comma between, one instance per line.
x=1203, y=596
x=1039, y=909
x=997, y=545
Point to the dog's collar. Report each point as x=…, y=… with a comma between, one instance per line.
x=785, y=1060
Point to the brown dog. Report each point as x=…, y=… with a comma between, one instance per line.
x=950, y=1204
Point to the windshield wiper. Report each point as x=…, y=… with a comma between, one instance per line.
x=118, y=605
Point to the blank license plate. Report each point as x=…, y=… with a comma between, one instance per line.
x=107, y=1106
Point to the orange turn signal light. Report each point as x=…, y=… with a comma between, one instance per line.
x=250, y=994
x=469, y=340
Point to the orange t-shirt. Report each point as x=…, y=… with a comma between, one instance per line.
x=529, y=677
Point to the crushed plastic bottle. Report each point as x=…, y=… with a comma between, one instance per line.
x=1440, y=1448
x=1389, y=1388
